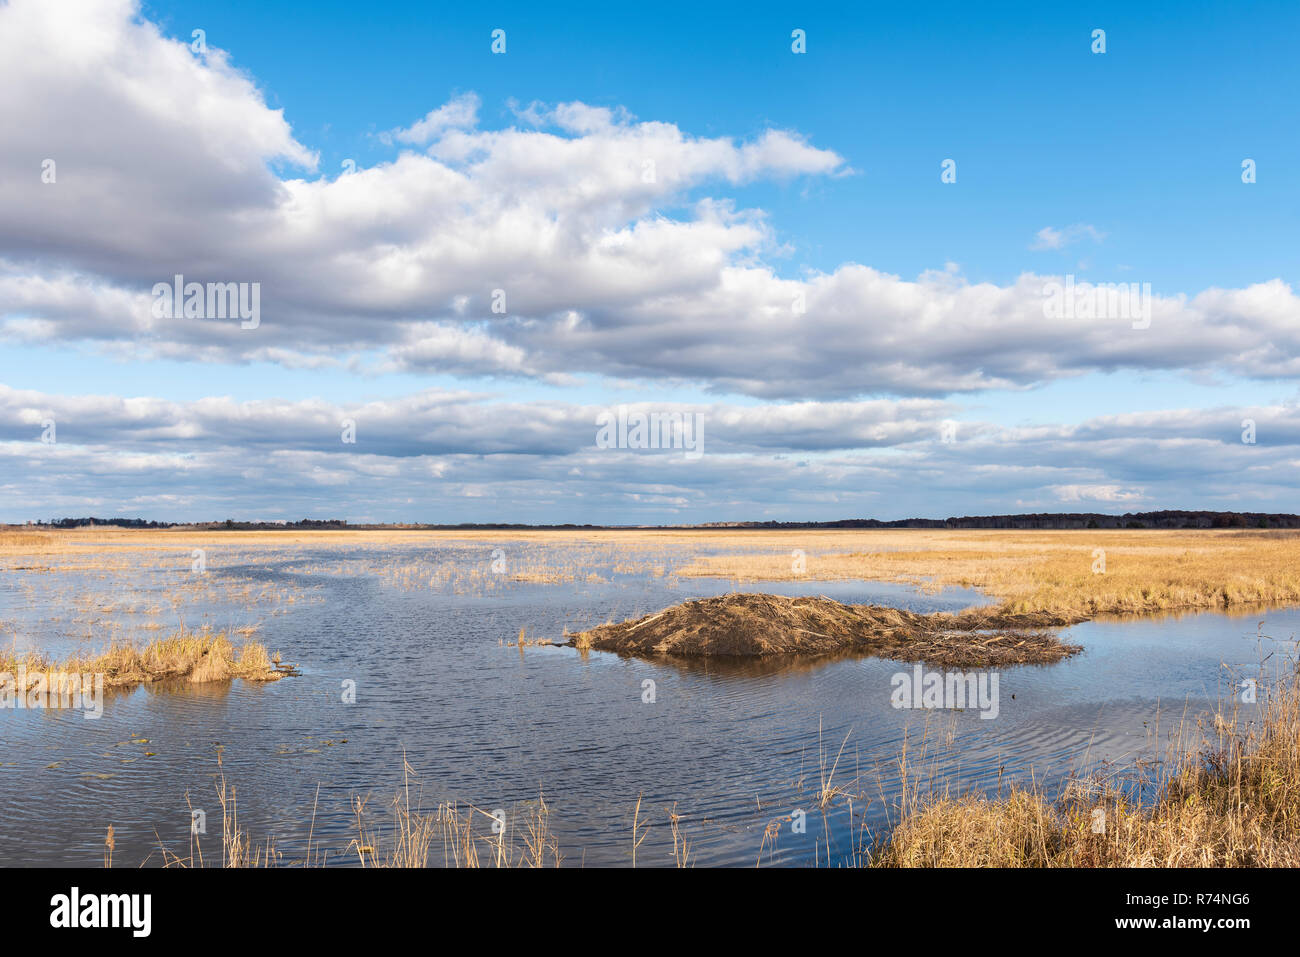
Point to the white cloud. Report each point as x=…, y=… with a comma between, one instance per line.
x=459, y=113
x=618, y=254
x=1108, y=494
x=1051, y=238
x=539, y=461
x=590, y=221
x=154, y=146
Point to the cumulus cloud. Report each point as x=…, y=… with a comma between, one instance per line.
x=1109, y=494
x=154, y=146
x=577, y=243
x=453, y=456
x=439, y=422
x=164, y=166
x=459, y=113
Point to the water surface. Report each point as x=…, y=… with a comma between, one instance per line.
x=428, y=635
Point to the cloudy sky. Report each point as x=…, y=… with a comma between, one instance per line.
x=839, y=262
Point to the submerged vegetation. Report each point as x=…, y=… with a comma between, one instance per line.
x=755, y=625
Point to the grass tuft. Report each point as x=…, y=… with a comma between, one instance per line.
x=1236, y=803
x=201, y=656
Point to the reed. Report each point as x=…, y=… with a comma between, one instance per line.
x=1066, y=574
x=1054, y=572
x=1233, y=803
x=195, y=656
x=681, y=844
x=37, y=541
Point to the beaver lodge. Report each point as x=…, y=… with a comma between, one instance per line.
x=757, y=625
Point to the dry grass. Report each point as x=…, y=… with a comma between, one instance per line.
x=450, y=835
x=1027, y=571
x=1237, y=805
x=237, y=847
x=681, y=844
x=196, y=656
x=14, y=538
x=1234, y=804
x=1056, y=572
x=454, y=836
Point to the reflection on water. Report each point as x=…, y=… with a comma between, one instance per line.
x=439, y=678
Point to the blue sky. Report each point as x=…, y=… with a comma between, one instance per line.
x=778, y=172
x=1144, y=141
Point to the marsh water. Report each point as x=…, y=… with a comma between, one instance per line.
x=429, y=636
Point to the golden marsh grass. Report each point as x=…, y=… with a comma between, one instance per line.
x=195, y=656
x=1233, y=803
x=1069, y=574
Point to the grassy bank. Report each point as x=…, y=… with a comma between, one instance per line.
x=1234, y=804
x=1068, y=574
x=197, y=657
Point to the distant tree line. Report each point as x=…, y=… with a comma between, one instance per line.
x=1052, y=520
x=82, y=522
x=228, y=523
x=1036, y=520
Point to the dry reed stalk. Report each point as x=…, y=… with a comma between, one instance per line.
x=198, y=657
x=1235, y=802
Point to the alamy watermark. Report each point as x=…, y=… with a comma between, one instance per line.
x=622, y=429
x=952, y=690
x=214, y=300
x=46, y=690
x=131, y=912
x=1104, y=300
